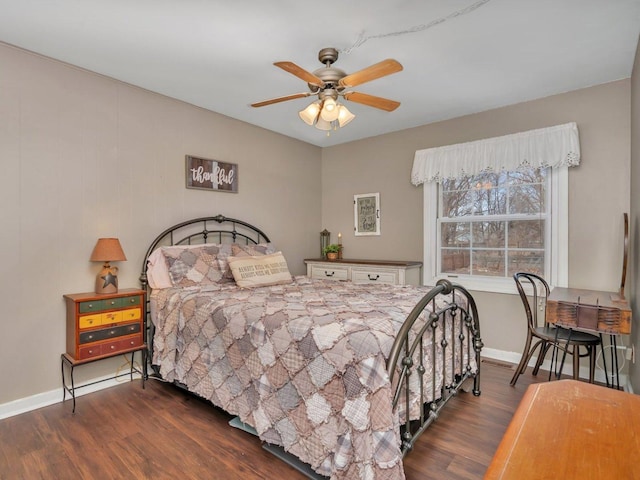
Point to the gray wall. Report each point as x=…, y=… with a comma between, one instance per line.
x=84, y=156
x=598, y=191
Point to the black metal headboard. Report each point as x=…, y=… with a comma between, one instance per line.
x=218, y=229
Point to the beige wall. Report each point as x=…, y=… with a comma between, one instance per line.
x=84, y=156
x=634, y=267
x=598, y=191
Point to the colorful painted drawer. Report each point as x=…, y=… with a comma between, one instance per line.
x=100, y=326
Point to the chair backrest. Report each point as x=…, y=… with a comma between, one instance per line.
x=534, y=291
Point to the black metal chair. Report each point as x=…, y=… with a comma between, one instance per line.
x=562, y=341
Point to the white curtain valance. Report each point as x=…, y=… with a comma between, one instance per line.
x=544, y=147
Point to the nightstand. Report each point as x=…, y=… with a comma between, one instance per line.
x=392, y=272
x=103, y=326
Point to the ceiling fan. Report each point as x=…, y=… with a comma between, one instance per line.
x=329, y=83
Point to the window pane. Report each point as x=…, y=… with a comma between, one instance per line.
x=526, y=234
x=488, y=263
x=455, y=234
x=457, y=203
x=489, y=234
x=491, y=201
x=528, y=176
x=455, y=261
x=526, y=261
x=527, y=199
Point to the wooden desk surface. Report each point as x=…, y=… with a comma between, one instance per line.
x=586, y=297
x=571, y=430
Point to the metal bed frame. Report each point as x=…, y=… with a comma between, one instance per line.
x=461, y=344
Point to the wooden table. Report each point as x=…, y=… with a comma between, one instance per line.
x=570, y=430
x=593, y=311
x=562, y=299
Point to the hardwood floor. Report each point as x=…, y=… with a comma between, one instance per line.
x=161, y=432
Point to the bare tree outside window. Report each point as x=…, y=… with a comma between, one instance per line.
x=493, y=224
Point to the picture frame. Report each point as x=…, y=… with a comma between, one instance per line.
x=366, y=214
x=212, y=175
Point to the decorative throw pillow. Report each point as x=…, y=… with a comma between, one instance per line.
x=260, y=270
x=238, y=250
x=193, y=265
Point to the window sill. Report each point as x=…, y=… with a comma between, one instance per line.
x=491, y=285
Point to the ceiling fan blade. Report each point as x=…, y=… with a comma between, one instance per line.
x=372, y=101
x=300, y=72
x=380, y=69
x=281, y=99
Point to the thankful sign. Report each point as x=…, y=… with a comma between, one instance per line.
x=211, y=174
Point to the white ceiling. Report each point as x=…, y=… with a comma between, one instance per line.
x=459, y=56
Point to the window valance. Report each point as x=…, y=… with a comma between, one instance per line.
x=544, y=147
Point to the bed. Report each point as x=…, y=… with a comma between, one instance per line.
x=343, y=377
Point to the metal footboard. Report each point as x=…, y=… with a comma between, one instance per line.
x=450, y=338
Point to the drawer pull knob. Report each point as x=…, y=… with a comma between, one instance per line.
x=113, y=347
x=132, y=300
x=329, y=274
x=91, y=305
x=112, y=302
x=112, y=332
x=373, y=278
x=90, y=337
x=132, y=342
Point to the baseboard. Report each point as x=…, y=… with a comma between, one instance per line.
x=39, y=400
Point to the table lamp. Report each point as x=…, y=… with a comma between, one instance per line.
x=107, y=250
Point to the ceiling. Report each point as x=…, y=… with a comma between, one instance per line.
x=459, y=56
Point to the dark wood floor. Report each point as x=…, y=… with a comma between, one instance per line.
x=161, y=432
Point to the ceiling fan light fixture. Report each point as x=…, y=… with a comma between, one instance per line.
x=344, y=115
x=329, y=110
x=309, y=114
x=323, y=124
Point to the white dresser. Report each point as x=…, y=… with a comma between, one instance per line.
x=365, y=271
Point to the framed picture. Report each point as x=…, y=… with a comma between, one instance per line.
x=366, y=212
x=214, y=175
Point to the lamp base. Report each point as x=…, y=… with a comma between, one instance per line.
x=107, y=280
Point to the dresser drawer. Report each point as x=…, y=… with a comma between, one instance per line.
x=106, y=333
x=122, y=344
x=329, y=272
x=90, y=321
x=111, y=317
x=109, y=348
x=374, y=276
x=91, y=306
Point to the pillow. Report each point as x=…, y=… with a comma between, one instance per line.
x=238, y=250
x=191, y=265
x=260, y=270
x=157, y=273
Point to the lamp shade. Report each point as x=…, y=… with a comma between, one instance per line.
x=344, y=116
x=108, y=250
x=309, y=114
x=329, y=110
x=322, y=124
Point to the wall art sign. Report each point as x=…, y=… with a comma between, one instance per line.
x=213, y=175
x=366, y=212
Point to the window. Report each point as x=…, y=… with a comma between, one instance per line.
x=481, y=229
x=481, y=226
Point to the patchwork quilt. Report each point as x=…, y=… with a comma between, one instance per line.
x=302, y=363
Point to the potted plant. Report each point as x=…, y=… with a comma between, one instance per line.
x=331, y=251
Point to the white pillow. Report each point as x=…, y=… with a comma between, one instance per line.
x=260, y=270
